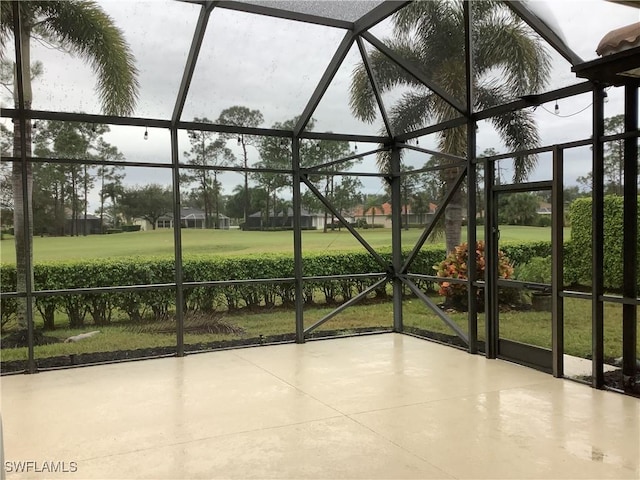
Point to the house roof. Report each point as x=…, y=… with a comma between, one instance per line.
x=189, y=213
x=305, y=213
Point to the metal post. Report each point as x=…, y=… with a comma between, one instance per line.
x=597, y=225
x=557, y=271
x=472, y=314
x=490, y=255
x=177, y=242
x=297, y=239
x=630, y=236
x=396, y=237
x=26, y=191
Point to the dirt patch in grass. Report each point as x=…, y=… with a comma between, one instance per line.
x=19, y=339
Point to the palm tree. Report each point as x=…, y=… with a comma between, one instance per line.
x=431, y=35
x=85, y=30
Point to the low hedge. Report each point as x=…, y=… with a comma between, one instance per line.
x=101, y=308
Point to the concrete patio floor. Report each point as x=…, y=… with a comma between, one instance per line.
x=380, y=406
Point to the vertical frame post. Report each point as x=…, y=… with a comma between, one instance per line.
x=630, y=236
x=491, y=260
x=396, y=237
x=297, y=239
x=25, y=167
x=177, y=242
x=597, y=226
x=557, y=270
x=471, y=181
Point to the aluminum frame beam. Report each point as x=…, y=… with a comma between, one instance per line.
x=297, y=240
x=346, y=305
x=438, y=213
x=24, y=172
x=192, y=59
x=344, y=222
x=557, y=266
x=544, y=30
x=448, y=156
x=412, y=70
x=285, y=14
x=435, y=309
x=325, y=81
x=189, y=125
x=374, y=86
x=597, y=229
x=314, y=168
x=630, y=238
x=177, y=242
x=396, y=237
x=472, y=291
x=378, y=14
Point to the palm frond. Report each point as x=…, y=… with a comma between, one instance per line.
x=517, y=129
x=85, y=29
x=520, y=55
x=387, y=75
x=414, y=110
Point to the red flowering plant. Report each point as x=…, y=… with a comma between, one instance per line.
x=456, y=266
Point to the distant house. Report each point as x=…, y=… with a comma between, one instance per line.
x=284, y=219
x=544, y=208
x=189, y=218
x=81, y=227
x=381, y=214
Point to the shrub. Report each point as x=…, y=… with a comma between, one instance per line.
x=520, y=253
x=537, y=270
x=579, y=252
x=158, y=304
x=456, y=266
x=543, y=221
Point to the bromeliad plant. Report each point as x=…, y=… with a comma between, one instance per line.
x=456, y=266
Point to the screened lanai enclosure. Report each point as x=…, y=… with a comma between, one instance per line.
x=364, y=139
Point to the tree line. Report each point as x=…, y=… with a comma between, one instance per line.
x=62, y=191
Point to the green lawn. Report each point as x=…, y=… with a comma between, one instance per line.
x=160, y=242
x=523, y=326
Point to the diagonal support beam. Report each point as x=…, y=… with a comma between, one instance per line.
x=324, y=83
x=414, y=71
x=374, y=86
x=346, y=305
x=383, y=263
x=192, y=58
x=378, y=14
x=345, y=159
x=435, y=153
x=439, y=212
x=429, y=303
x=545, y=31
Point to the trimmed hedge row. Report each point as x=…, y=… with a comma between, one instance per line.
x=101, y=308
x=579, y=251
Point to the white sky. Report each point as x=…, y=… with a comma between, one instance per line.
x=273, y=65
